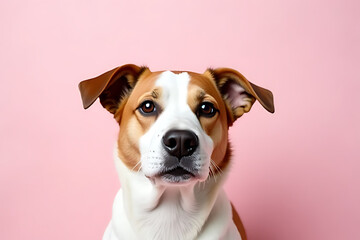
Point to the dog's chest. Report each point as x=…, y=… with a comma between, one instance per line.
x=169, y=221
x=172, y=218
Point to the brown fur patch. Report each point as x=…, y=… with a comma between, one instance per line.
x=132, y=124
x=238, y=223
x=217, y=126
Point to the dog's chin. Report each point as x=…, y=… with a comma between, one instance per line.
x=177, y=176
x=174, y=177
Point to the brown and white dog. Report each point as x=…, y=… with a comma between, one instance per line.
x=172, y=154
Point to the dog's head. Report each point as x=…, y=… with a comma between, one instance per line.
x=174, y=125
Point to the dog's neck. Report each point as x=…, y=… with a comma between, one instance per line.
x=166, y=212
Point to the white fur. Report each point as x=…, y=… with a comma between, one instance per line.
x=146, y=207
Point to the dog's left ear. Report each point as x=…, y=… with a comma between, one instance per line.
x=110, y=87
x=240, y=94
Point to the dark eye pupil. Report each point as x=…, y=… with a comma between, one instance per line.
x=148, y=107
x=207, y=109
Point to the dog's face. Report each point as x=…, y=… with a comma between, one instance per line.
x=173, y=125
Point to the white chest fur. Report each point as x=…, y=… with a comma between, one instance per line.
x=144, y=210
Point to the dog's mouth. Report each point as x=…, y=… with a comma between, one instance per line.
x=176, y=175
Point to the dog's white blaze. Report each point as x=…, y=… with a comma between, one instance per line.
x=176, y=115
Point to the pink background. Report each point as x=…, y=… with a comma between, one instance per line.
x=295, y=173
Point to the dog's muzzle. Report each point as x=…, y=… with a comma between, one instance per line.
x=180, y=145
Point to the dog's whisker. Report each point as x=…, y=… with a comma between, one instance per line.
x=217, y=167
x=212, y=171
x=137, y=164
x=220, y=171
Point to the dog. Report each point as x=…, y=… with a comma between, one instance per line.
x=172, y=153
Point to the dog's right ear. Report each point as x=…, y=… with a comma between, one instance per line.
x=110, y=87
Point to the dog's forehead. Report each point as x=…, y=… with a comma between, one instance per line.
x=206, y=83
x=178, y=81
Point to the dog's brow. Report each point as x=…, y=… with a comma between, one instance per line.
x=155, y=93
x=200, y=95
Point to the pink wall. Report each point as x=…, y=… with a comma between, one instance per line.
x=295, y=174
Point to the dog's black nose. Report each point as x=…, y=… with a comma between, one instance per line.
x=180, y=143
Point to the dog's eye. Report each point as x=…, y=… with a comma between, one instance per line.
x=206, y=109
x=147, y=108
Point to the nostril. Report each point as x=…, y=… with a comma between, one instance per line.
x=189, y=144
x=171, y=143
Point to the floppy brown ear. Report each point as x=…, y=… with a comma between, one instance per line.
x=110, y=87
x=239, y=93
